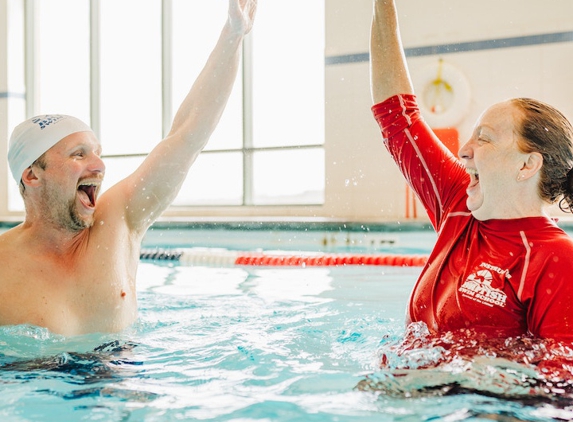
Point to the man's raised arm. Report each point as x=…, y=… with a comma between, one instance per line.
x=155, y=184
x=388, y=70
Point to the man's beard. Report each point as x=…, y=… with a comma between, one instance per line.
x=75, y=222
x=66, y=215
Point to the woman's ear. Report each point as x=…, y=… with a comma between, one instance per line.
x=531, y=166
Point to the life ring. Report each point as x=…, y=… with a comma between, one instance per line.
x=443, y=94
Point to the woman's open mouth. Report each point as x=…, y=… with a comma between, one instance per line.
x=474, y=176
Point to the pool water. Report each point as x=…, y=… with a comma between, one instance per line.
x=217, y=344
x=284, y=344
x=268, y=344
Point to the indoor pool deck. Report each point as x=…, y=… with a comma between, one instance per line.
x=396, y=237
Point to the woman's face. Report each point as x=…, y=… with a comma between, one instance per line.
x=496, y=165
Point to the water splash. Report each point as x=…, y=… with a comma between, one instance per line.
x=529, y=370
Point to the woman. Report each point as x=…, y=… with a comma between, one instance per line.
x=500, y=265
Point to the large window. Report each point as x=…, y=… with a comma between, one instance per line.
x=124, y=66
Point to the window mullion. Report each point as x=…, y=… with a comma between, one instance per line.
x=248, y=120
x=95, y=69
x=31, y=58
x=167, y=64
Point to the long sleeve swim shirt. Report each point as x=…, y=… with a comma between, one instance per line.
x=502, y=277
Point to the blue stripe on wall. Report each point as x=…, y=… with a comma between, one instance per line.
x=12, y=95
x=527, y=40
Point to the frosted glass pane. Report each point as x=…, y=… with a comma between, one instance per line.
x=288, y=74
x=289, y=176
x=118, y=168
x=15, y=201
x=215, y=179
x=130, y=75
x=64, y=57
x=17, y=107
x=15, y=49
x=196, y=28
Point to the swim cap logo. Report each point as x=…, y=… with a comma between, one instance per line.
x=47, y=120
x=478, y=287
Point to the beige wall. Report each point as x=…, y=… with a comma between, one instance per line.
x=354, y=148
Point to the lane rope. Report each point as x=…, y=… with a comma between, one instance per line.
x=224, y=257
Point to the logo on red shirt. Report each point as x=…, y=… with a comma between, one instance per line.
x=478, y=287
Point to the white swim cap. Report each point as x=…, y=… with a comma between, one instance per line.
x=33, y=137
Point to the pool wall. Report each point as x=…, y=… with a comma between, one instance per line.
x=294, y=236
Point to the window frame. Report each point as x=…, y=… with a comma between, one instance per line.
x=247, y=150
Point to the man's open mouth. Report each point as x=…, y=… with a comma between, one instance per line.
x=88, y=193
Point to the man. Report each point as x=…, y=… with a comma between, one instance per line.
x=71, y=265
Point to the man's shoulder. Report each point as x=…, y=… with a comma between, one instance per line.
x=8, y=242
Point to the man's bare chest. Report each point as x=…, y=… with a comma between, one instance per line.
x=69, y=296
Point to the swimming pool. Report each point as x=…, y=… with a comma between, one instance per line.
x=269, y=343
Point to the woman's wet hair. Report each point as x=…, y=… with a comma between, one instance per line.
x=545, y=130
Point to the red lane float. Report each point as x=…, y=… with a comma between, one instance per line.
x=263, y=260
x=225, y=258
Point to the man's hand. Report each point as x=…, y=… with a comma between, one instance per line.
x=242, y=15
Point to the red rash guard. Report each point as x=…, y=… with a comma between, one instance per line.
x=501, y=277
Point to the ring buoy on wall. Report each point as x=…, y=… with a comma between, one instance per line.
x=443, y=94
